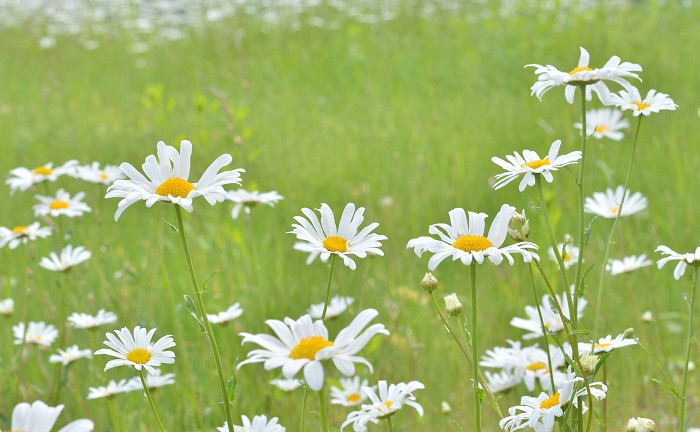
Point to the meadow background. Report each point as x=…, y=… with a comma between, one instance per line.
x=400, y=113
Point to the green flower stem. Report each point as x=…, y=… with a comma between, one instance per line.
x=604, y=402
x=389, y=425
x=150, y=400
x=691, y=306
x=581, y=228
x=544, y=329
x=612, y=233
x=303, y=409
x=467, y=355
x=328, y=289
x=322, y=409
x=207, y=326
x=115, y=419
x=475, y=354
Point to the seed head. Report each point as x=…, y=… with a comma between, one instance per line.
x=429, y=282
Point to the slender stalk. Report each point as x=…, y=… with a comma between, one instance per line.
x=328, y=289
x=150, y=400
x=207, y=326
x=322, y=409
x=604, y=403
x=390, y=426
x=612, y=233
x=116, y=420
x=475, y=363
x=669, y=381
x=544, y=330
x=691, y=306
x=581, y=228
x=303, y=409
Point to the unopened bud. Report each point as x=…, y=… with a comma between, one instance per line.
x=641, y=424
x=628, y=334
x=7, y=307
x=452, y=304
x=519, y=227
x=429, y=282
x=445, y=407
x=647, y=317
x=589, y=362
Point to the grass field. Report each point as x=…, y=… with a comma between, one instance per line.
x=400, y=117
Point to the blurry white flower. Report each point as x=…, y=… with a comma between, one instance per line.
x=258, y=424
x=350, y=392
x=94, y=174
x=22, y=234
x=137, y=350
x=652, y=103
x=552, y=320
x=47, y=42
x=233, y=312
x=69, y=258
x=452, y=304
x=384, y=403
x=38, y=333
x=112, y=388
x=684, y=260
x=247, y=200
x=21, y=178
x=445, y=407
x=7, y=307
x=501, y=381
x=87, y=321
x=336, y=306
x=641, y=424
x=287, y=385
x=628, y=264
x=607, y=204
x=153, y=380
x=70, y=355
x=39, y=417
x=647, y=316
x=607, y=344
x=61, y=205
x=570, y=256
x=604, y=123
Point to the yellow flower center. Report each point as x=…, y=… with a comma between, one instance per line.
x=175, y=187
x=580, y=69
x=614, y=210
x=472, y=243
x=19, y=230
x=388, y=404
x=601, y=345
x=537, y=366
x=568, y=257
x=139, y=356
x=58, y=204
x=103, y=176
x=601, y=129
x=536, y=164
x=353, y=398
x=34, y=338
x=641, y=105
x=43, y=170
x=308, y=347
x=550, y=402
x=335, y=244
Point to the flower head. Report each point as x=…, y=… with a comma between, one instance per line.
x=87, y=321
x=258, y=424
x=39, y=417
x=604, y=123
x=62, y=204
x=22, y=178
x=233, y=312
x=530, y=164
x=69, y=355
x=350, y=392
x=168, y=180
x=38, y=333
x=136, y=350
x=287, y=385
x=607, y=204
x=324, y=238
x=7, y=307
x=386, y=401
x=111, y=389
x=607, y=344
x=94, y=174
x=153, y=380
x=69, y=258
x=245, y=200
x=652, y=103
x=465, y=241
x=628, y=264
x=570, y=255
x=13, y=237
x=684, y=260
x=336, y=306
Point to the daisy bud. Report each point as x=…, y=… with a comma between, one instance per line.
x=589, y=362
x=519, y=227
x=429, y=282
x=445, y=407
x=629, y=333
x=453, y=305
x=7, y=307
x=641, y=424
x=647, y=317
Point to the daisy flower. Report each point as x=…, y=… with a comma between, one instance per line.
x=465, y=241
x=258, y=424
x=39, y=417
x=286, y=385
x=552, y=320
x=61, y=205
x=168, y=180
x=627, y=264
x=530, y=163
x=652, y=103
x=684, y=260
x=350, y=392
x=94, y=174
x=529, y=365
x=570, y=255
x=87, y=321
x=69, y=355
x=22, y=178
x=247, y=200
x=304, y=344
x=501, y=381
x=229, y=314
x=607, y=204
x=137, y=350
x=38, y=333
x=604, y=123
x=549, y=77
x=607, y=344
x=111, y=389
x=324, y=238
x=336, y=306
x=7, y=307
x=69, y=258
x=153, y=381
x=384, y=403
x=22, y=234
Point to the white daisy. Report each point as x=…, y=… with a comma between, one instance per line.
x=336, y=306
x=247, y=200
x=229, y=314
x=136, y=350
x=22, y=178
x=22, y=234
x=61, y=205
x=530, y=164
x=309, y=248
x=70, y=355
x=258, y=424
x=604, y=123
x=324, y=238
x=385, y=403
x=549, y=77
x=684, y=260
x=39, y=417
x=168, y=180
x=652, y=103
x=69, y=258
x=570, y=255
x=304, y=344
x=607, y=204
x=628, y=264
x=350, y=392
x=94, y=174
x=87, y=321
x=552, y=320
x=153, y=381
x=38, y=333
x=287, y=385
x=7, y=307
x=606, y=344
x=111, y=389
x=501, y=381
x=529, y=365
x=465, y=241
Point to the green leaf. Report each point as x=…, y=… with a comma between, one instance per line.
x=667, y=388
x=172, y=227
